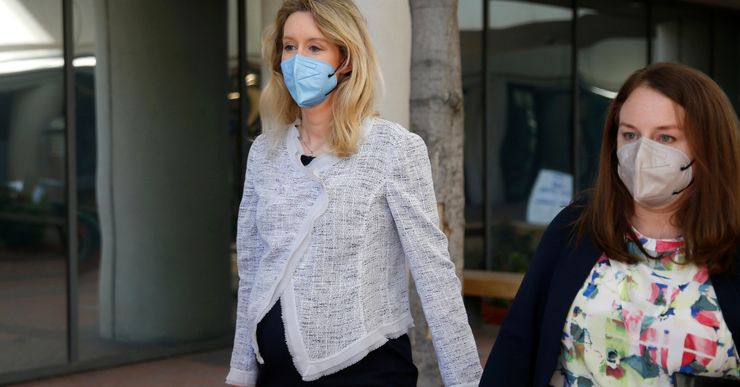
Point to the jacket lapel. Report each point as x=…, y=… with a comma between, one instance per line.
x=727, y=288
x=568, y=278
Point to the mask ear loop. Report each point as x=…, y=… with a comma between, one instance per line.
x=691, y=182
x=676, y=252
x=335, y=86
x=338, y=82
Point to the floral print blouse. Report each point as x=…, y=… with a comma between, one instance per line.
x=637, y=324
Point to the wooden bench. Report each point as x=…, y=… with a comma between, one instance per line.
x=493, y=284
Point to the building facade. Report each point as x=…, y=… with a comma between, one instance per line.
x=124, y=126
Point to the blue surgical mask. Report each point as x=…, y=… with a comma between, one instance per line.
x=309, y=81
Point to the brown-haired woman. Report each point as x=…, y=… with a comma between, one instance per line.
x=639, y=284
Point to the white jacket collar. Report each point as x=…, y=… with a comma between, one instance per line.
x=324, y=160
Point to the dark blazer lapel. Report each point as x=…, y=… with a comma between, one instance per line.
x=727, y=289
x=570, y=274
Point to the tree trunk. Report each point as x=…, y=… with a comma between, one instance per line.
x=437, y=116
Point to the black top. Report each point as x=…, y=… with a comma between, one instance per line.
x=389, y=365
x=305, y=159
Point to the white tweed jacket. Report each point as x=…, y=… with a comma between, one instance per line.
x=332, y=241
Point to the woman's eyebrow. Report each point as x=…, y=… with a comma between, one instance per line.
x=662, y=127
x=667, y=127
x=288, y=37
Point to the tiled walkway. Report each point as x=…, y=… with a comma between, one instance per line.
x=198, y=370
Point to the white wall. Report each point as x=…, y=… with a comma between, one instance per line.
x=389, y=22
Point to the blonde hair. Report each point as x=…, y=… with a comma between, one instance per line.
x=341, y=22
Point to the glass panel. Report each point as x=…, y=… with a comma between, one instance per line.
x=470, y=21
x=612, y=44
x=682, y=34
x=253, y=83
x=33, y=307
x=241, y=137
x=528, y=99
x=91, y=344
x=727, y=55
x=99, y=160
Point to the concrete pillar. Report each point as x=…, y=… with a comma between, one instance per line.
x=163, y=170
x=36, y=135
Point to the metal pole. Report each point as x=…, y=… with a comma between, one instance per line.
x=242, y=69
x=649, y=30
x=487, y=235
x=70, y=110
x=575, y=133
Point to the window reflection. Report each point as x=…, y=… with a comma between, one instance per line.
x=470, y=21
x=727, y=55
x=682, y=34
x=108, y=327
x=243, y=130
x=33, y=331
x=528, y=98
x=518, y=110
x=612, y=43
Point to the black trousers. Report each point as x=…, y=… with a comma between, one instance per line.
x=387, y=366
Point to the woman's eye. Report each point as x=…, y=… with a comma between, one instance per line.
x=629, y=136
x=314, y=48
x=288, y=47
x=666, y=139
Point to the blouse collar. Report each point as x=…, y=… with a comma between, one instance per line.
x=324, y=160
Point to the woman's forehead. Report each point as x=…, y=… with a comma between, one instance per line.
x=301, y=26
x=646, y=107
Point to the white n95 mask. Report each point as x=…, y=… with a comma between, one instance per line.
x=654, y=173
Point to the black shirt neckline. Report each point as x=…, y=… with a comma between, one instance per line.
x=306, y=159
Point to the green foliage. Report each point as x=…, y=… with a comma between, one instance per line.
x=511, y=249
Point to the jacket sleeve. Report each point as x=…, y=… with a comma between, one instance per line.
x=511, y=362
x=410, y=195
x=249, y=248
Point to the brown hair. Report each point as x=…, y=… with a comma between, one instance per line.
x=709, y=211
x=354, y=98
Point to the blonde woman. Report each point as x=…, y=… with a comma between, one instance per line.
x=337, y=204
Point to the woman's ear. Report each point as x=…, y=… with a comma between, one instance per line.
x=346, y=67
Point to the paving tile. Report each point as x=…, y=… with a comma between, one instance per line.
x=197, y=370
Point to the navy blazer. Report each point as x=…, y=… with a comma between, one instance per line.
x=527, y=348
